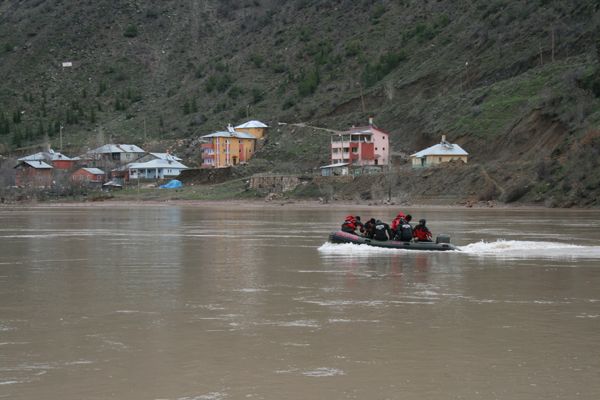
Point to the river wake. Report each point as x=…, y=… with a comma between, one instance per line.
x=499, y=248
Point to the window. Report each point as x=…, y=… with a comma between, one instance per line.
x=375, y=148
x=383, y=148
x=355, y=150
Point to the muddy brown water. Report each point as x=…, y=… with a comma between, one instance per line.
x=197, y=303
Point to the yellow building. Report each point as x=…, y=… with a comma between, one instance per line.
x=255, y=128
x=226, y=148
x=439, y=153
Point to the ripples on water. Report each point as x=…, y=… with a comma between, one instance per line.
x=499, y=248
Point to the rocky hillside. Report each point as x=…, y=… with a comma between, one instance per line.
x=515, y=83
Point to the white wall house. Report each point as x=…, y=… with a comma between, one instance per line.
x=156, y=169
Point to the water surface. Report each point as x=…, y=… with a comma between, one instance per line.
x=185, y=303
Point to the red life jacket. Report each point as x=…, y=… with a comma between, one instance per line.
x=421, y=233
x=350, y=222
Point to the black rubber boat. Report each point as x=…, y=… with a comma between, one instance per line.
x=442, y=242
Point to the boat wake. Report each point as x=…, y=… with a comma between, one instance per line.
x=499, y=248
x=530, y=249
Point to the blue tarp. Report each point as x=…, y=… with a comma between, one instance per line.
x=172, y=184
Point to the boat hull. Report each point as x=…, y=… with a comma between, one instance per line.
x=343, y=237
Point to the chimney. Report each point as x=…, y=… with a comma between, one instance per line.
x=370, y=121
x=443, y=138
x=230, y=128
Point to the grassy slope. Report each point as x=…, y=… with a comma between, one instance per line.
x=188, y=68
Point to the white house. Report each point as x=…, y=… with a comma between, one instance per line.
x=156, y=169
x=439, y=153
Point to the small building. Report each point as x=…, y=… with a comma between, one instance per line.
x=117, y=153
x=155, y=169
x=361, y=146
x=33, y=173
x=439, y=153
x=340, y=169
x=54, y=158
x=89, y=175
x=227, y=148
x=255, y=128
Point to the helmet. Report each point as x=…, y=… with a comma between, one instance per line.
x=408, y=218
x=378, y=222
x=400, y=215
x=422, y=221
x=357, y=218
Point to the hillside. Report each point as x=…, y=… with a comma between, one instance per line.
x=515, y=83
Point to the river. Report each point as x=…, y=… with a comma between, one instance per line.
x=233, y=302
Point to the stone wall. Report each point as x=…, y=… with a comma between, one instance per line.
x=274, y=183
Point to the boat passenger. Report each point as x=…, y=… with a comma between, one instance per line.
x=405, y=231
x=421, y=233
x=382, y=231
x=369, y=228
x=350, y=224
x=396, y=222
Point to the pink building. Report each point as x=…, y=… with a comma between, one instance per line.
x=361, y=146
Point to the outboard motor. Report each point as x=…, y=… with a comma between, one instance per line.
x=442, y=238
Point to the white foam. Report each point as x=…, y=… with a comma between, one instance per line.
x=530, y=249
x=324, y=372
x=351, y=249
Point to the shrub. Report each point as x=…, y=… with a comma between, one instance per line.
x=308, y=82
x=131, y=31
x=374, y=72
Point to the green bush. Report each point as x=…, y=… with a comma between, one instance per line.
x=131, y=31
x=308, y=82
x=374, y=72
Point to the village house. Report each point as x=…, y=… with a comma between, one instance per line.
x=116, y=153
x=360, y=148
x=92, y=176
x=227, y=148
x=54, y=158
x=255, y=128
x=439, y=153
x=33, y=173
x=158, y=168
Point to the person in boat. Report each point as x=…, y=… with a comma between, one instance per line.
x=382, y=231
x=405, y=230
x=397, y=222
x=350, y=224
x=369, y=228
x=421, y=233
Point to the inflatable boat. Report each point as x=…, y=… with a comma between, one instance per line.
x=442, y=242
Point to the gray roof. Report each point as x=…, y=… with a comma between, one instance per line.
x=441, y=149
x=94, y=171
x=46, y=155
x=166, y=156
x=226, y=134
x=335, y=165
x=157, y=163
x=252, y=124
x=38, y=164
x=117, y=148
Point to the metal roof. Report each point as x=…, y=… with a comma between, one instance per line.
x=94, y=171
x=252, y=124
x=117, y=148
x=441, y=149
x=166, y=156
x=38, y=164
x=46, y=155
x=225, y=134
x=335, y=165
x=157, y=163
